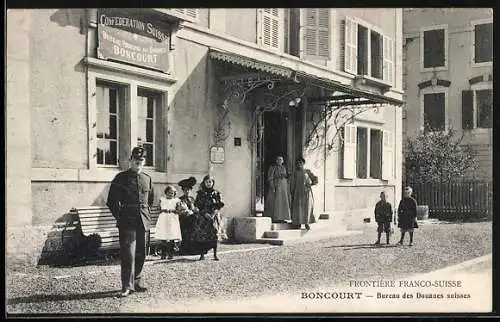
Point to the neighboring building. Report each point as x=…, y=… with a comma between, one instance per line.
x=191, y=85
x=448, y=77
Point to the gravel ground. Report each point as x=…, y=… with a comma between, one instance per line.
x=266, y=271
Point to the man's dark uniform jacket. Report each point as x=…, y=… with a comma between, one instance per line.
x=130, y=197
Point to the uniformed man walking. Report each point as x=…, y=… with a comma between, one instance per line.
x=130, y=198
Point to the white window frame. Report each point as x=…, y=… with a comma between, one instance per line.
x=119, y=116
x=281, y=30
x=355, y=181
x=446, y=45
x=155, y=120
x=100, y=71
x=474, y=88
x=473, y=42
x=435, y=90
x=384, y=37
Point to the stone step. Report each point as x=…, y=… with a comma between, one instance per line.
x=288, y=233
x=309, y=236
x=281, y=226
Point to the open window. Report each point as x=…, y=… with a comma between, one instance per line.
x=367, y=51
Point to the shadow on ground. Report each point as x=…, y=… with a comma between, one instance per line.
x=361, y=246
x=38, y=298
x=173, y=261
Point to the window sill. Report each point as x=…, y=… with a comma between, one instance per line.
x=479, y=130
x=131, y=70
x=357, y=182
x=372, y=81
x=434, y=69
x=103, y=175
x=485, y=64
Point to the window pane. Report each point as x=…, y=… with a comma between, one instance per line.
x=361, y=152
x=376, y=154
x=112, y=100
x=376, y=54
x=101, y=104
x=141, y=108
x=100, y=153
x=434, y=112
x=483, y=43
x=362, y=50
x=107, y=152
x=149, y=154
x=151, y=109
x=149, y=130
x=102, y=125
x=111, y=153
x=141, y=130
x=434, y=48
x=484, y=104
x=112, y=127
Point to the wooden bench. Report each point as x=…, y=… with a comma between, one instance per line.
x=100, y=221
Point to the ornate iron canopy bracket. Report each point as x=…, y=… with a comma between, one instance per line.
x=234, y=90
x=330, y=134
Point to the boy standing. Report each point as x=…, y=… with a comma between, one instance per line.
x=383, y=217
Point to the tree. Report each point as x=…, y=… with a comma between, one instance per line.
x=438, y=157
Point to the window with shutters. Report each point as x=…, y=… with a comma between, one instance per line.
x=434, y=47
x=316, y=30
x=367, y=51
x=270, y=28
x=367, y=153
x=482, y=42
x=477, y=108
x=434, y=109
x=189, y=14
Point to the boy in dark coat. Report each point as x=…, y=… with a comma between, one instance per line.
x=383, y=217
x=407, y=215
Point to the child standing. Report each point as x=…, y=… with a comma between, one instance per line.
x=383, y=217
x=407, y=215
x=168, y=227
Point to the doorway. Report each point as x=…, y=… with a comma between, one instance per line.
x=278, y=139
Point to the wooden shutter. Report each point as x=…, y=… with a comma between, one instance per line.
x=387, y=155
x=350, y=46
x=388, y=53
x=271, y=27
x=349, y=162
x=467, y=109
x=191, y=13
x=316, y=33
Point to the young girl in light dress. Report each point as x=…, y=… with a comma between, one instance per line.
x=168, y=228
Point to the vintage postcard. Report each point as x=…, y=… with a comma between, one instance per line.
x=249, y=160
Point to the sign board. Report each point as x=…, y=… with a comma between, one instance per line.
x=132, y=40
x=217, y=154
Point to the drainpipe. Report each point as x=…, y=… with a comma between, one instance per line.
x=322, y=92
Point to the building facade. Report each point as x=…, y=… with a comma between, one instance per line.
x=448, y=59
x=219, y=91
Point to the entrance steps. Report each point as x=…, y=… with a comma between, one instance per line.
x=286, y=233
